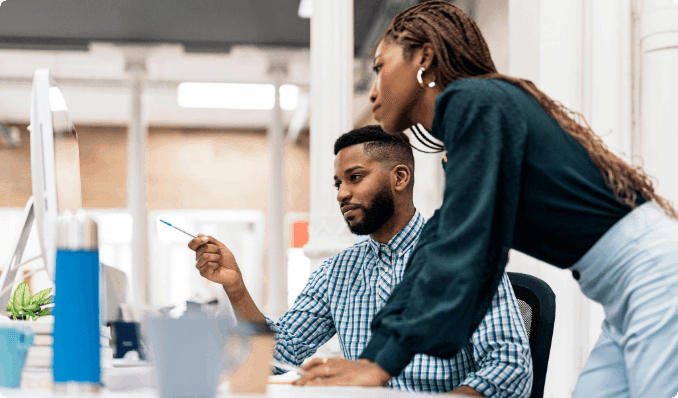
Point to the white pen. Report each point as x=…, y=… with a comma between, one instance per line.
x=286, y=366
x=177, y=228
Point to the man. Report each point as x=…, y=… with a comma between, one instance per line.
x=374, y=181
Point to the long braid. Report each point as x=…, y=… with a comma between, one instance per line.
x=461, y=52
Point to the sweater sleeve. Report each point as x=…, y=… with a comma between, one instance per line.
x=459, y=260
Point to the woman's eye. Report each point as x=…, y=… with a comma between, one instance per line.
x=376, y=68
x=336, y=185
x=355, y=177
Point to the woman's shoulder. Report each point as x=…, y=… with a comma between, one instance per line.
x=479, y=89
x=476, y=97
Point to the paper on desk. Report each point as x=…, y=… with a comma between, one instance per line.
x=285, y=378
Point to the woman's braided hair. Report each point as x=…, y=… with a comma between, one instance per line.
x=461, y=52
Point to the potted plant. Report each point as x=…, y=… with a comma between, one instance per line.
x=23, y=306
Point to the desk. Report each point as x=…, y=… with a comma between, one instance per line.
x=35, y=382
x=274, y=391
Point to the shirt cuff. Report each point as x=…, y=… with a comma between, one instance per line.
x=386, y=352
x=481, y=385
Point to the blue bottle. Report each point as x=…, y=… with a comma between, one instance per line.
x=77, y=345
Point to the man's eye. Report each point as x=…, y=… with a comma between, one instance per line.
x=355, y=177
x=336, y=185
x=376, y=68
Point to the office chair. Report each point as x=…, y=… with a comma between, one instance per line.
x=537, y=304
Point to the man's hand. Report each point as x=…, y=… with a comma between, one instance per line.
x=342, y=372
x=216, y=263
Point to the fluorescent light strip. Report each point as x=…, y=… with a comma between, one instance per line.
x=235, y=96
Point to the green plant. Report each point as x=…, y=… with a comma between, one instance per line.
x=24, y=306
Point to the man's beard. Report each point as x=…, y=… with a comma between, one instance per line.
x=375, y=216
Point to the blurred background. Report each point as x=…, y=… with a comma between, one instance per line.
x=219, y=116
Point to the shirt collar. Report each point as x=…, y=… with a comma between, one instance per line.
x=404, y=239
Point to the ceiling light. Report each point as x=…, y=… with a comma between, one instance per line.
x=305, y=9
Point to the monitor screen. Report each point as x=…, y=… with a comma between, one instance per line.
x=55, y=177
x=66, y=154
x=55, y=161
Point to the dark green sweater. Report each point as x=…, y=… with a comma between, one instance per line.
x=514, y=179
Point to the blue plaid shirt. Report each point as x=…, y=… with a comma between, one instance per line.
x=346, y=291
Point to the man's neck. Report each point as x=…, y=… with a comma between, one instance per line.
x=394, y=225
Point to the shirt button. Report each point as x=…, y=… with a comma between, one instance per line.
x=575, y=275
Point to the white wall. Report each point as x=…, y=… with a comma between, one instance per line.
x=579, y=53
x=657, y=133
x=492, y=17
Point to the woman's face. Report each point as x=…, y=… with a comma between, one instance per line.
x=396, y=90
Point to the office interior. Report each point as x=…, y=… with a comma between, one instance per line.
x=260, y=179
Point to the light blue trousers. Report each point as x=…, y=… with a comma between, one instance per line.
x=633, y=272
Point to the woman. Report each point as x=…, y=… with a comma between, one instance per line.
x=521, y=173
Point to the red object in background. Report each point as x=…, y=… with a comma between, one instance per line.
x=300, y=234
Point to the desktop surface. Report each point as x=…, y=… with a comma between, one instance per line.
x=124, y=382
x=274, y=391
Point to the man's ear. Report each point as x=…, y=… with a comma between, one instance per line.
x=400, y=178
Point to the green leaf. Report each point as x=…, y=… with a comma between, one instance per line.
x=22, y=296
x=15, y=312
x=30, y=313
x=10, y=306
x=41, y=297
x=33, y=308
x=44, y=312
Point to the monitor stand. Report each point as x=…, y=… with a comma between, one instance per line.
x=9, y=272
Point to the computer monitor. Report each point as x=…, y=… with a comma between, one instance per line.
x=55, y=175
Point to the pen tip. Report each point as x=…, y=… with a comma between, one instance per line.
x=165, y=222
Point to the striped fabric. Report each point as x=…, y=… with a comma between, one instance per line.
x=346, y=291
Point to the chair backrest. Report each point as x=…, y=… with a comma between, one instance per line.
x=537, y=304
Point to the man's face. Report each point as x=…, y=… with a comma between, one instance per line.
x=363, y=190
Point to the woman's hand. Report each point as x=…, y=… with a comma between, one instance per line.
x=342, y=372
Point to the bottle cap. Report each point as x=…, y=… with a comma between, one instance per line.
x=76, y=232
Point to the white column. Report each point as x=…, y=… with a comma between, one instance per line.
x=331, y=116
x=658, y=132
x=276, y=274
x=137, y=132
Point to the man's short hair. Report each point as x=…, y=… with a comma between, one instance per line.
x=390, y=150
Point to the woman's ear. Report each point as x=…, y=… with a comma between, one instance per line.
x=400, y=178
x=427, y=55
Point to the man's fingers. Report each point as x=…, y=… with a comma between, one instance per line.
x=206, y=248
x=207, y=269
x=195, y=243
x=318, y=371
x=207, y=257
x=211, y=239
x=314, y=362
